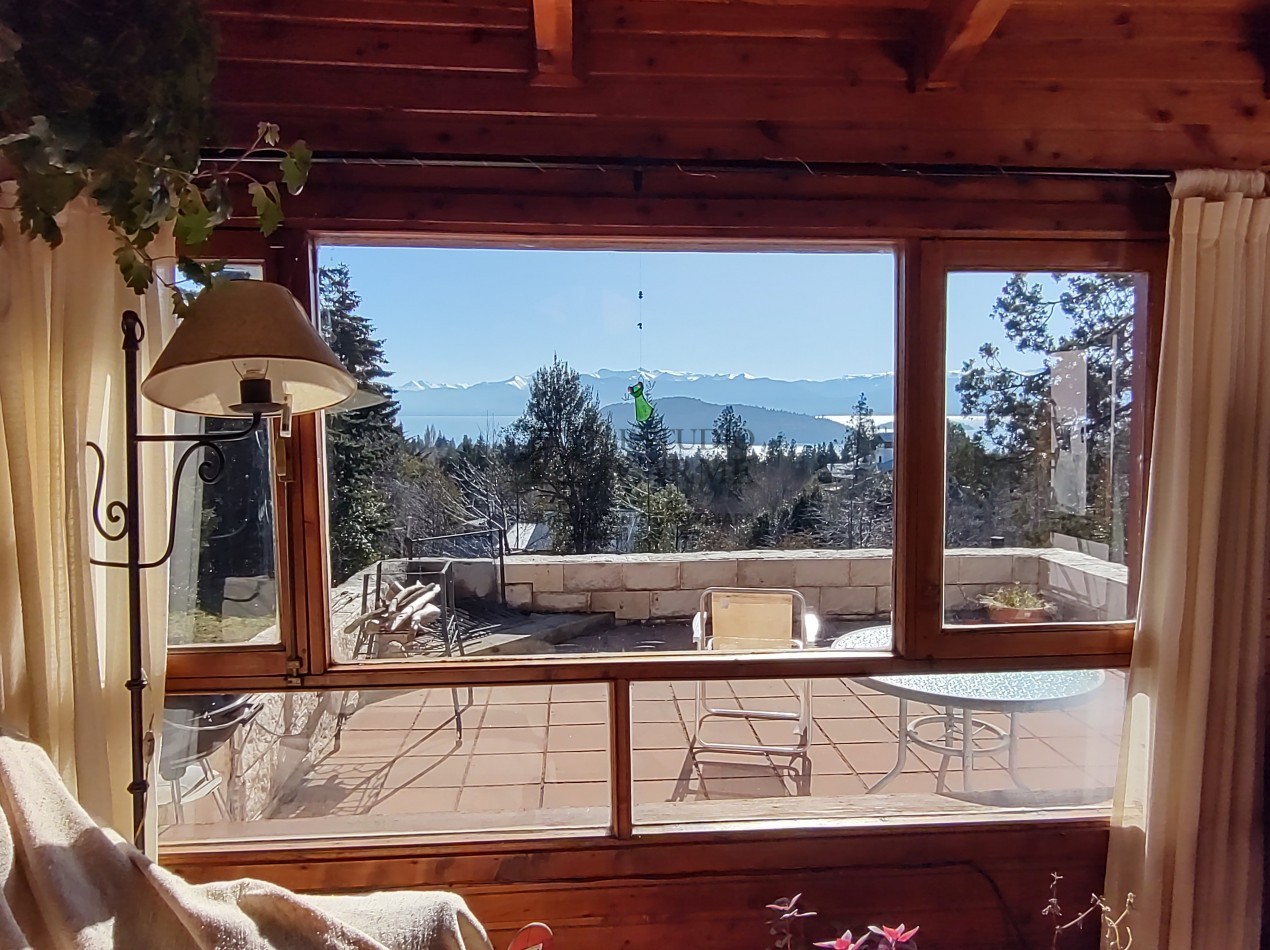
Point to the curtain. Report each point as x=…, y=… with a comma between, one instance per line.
x=1186, y=835
x=63, y=622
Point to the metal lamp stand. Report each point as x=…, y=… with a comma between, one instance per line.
x=123, y=520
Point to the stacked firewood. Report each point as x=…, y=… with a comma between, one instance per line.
x=399, y=620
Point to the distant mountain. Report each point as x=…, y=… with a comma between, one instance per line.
x=691, y=420
x=437, y=404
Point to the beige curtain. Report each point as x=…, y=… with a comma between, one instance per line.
x=63, y=623
x=1186, y=832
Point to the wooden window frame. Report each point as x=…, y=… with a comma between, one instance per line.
x=921, y=640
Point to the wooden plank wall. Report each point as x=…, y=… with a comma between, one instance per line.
x=968, y=888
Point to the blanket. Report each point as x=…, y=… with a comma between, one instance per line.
x=65, y=882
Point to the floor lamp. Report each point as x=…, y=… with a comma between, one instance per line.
x=248, y=350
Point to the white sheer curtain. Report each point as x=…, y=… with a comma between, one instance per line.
x=1186, y=831
x=63, y=623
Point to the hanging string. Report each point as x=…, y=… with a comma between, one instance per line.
x=640, y=324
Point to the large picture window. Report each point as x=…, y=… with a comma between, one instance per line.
x=928, y=459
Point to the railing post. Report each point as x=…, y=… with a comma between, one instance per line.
x=621, y=787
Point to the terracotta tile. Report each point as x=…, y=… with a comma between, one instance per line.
x=393, y=697
x=904, y=782
x=651, y=692
x=659, y=764
x=771, y=732
x=833, y=785
x=397, y=718
x=577, y=767
x=756, y=786
x=504, y=769
x=654, y=792
x=367, y=744
x=498, y=741
x=580, y=693
x=503, y=717
x=1053, y=779
x=839, y=707
x=443, y=741
x=658, y=735
x=663, y=710
x=882, y=705
x=519, y=695
x=580, y=738
x=683, y=690
x=507, y=798
x=1048, y=724
x=857, y=730
x=1033, y=753
x=835, y=686
x=428, y=771
x=877, y=757
x=575, y=795
x=411, y=801
x=435, y=718
x=827, y=760
x=762, y=688
x=572, y=714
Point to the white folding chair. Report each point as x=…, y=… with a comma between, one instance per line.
x=742, y=619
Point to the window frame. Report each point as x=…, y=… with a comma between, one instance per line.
x=921, y=640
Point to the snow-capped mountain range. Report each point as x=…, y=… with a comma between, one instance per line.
x=458, y=409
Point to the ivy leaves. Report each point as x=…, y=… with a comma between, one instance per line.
x=112, y=99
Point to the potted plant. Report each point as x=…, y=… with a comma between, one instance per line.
x=112, y=99
x=1014, y=603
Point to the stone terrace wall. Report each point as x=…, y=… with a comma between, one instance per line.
x=847, y=584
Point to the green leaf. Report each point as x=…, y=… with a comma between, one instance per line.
x=264, y=198
x=136, y=270
x=268, y=131
x=193, y=220
x=295, y=167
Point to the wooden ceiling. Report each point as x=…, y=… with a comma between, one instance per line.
x=1154, y=84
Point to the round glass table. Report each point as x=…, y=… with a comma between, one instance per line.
x=957, y=732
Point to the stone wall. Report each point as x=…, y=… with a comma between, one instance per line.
x=846, y=584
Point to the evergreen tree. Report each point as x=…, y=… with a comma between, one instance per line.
x=364, y=446
x=730, y=434
x=570, y=453
x=648, y=444
x=1018, y=410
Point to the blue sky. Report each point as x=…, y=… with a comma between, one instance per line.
x=463, y=316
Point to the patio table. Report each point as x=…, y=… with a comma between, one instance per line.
x=961, y=695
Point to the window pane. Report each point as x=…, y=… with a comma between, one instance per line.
x=223, y=572
x=506, y=492
x=1066, y=728
x=1041, y=402
x=478, y=762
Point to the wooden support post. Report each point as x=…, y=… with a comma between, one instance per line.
x=621, y=787
x=956, y=31
x=553, y=42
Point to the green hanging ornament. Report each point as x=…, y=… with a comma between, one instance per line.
x=643, y=408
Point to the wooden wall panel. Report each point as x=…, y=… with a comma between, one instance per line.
x=967, y=887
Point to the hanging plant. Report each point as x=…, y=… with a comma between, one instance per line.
x=112, y=98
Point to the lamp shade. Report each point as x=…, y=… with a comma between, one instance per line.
x=243, y=346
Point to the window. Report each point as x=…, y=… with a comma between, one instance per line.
x=586, y=664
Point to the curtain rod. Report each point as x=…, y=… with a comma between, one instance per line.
x=705, y=166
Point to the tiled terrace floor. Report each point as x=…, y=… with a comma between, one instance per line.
x=538, y=755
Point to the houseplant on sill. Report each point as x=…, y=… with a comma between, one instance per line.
x=112, y=99
x=1014, y=603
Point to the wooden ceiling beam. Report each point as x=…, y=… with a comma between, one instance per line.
x=957, y=30
x=553, y=43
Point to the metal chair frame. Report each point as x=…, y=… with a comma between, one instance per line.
x=805, y=627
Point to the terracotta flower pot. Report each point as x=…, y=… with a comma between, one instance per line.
x=1018, y=614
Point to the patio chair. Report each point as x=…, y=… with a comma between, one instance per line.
x=741, y=619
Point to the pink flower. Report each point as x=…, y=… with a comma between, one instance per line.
x=843, y=943
x=894, y=936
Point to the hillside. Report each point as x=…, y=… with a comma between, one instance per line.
x=690, y=421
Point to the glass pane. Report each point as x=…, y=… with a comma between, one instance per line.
x=1037, y=740
x=1042, y=409
x=465, y=762
x=520, y=497
x=223, y=572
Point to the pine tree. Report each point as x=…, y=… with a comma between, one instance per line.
x=364, y=446
x=570, y=454
x=648, y=444
x=730, y=434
